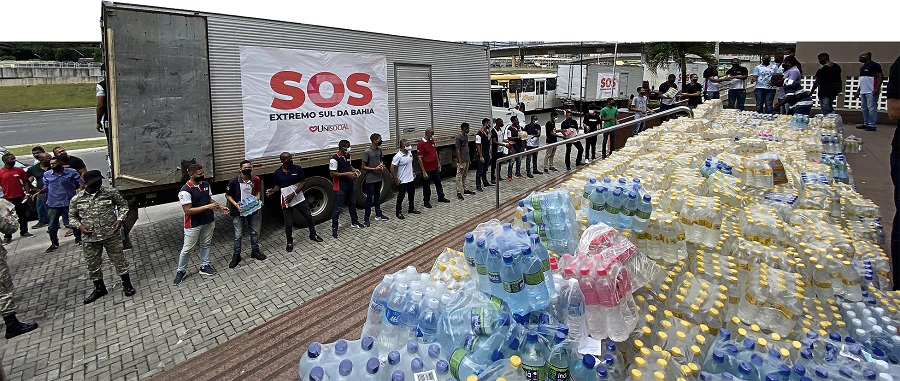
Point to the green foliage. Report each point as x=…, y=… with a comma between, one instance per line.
x=657, y=55
x=49, y=51
x=45, y=97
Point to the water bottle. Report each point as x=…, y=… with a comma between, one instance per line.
x=575, y=310
x=377, y=305
x=535, y=283
x=514, y=286
x=494, y=264
x=628, y=211
x=558, y=363
x=539, y=251
x=392, y=335
x=597, y=202
x=583, y=368
x=534, y=362
x=642, y=214
x=520, y=212
x=481, y=257
x=428, y=321
x=469, y=251
x=409, y=318
x=345, y=371
x=586, y=195
x=616, y=369
x=614, y=205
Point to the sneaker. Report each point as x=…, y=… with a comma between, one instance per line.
x=871, y=128
x=861, y=127
x=27, y=234
x=257, y=255
x=316, y=238
x=51, y=249
x=78, y=242
x=359, y=225
x=384, y=218
x=179, y=276
x=367, y=224
x=539, y=172
x=334, y=233
x=458, y=195
x=508, y=178
x=553, y=169
x=400, y=216
x=443, y=200
x=289, y=248
x=207, y=270
x=39, y=225
x=530, y=176
x=428, y=205
x=520, y=177
x=480, y=189
x=468, y=192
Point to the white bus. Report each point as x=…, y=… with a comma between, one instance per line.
x=531, y=92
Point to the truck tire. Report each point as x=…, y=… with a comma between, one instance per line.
x=320, y=197
x=387, y=188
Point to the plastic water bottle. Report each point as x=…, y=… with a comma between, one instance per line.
x=628, y=211
x=469, y=251
x=514, y=286
x=409, y=319
x=583, y=369
x=539, y=251
x=494, y=264
x=535, y=283
x=377, y=306
x=481, y=257
x=558, y=363
x=614, y=206
x=311, y=359
x=597, y=202
x=392, y=335
x=642, y=215
x=428, y=321
x=520, y=212
x=575, y=310
x=586, y=195
x=534, y=362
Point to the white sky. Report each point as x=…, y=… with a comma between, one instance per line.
x=499, y=20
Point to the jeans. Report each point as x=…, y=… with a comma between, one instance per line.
x=22, y=213
x=406, y=189
x=494, y=157
x=712, y=95
x=201, y=235
x=577, y=157
x=590, y=147
x=548, y=158
x=802, y=110
x=509, y=164
x=638, y=128
x=303, y=208
x=895, y=229
x=764, y=99
x=341, y=198
x=663, y=107
x=41, y=207
x=53, y=214
x=531, y=160
x=827, y=104
x=611, y=138
x=481, y=174
x=461, y=174
x=252, y=224
x=736, y=99
x=373, y=197
x=869, y=109
x=785, y=110
x=433, y=177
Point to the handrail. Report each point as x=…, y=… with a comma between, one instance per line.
x=653, y=110
x=500, y=161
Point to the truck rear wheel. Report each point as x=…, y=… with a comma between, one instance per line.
x=319, y=195
x=387, y=182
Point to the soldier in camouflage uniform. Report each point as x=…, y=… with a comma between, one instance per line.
x=98, y=212
x=7, y=306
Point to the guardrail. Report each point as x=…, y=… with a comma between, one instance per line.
x=500, y=161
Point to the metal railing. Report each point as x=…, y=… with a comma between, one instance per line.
x=500, y=161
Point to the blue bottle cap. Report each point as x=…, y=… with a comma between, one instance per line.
x=821, y=373
x=542, y=329
x=560, y=337
x=784, y=370
x=632, y=195
x=367, y=343
x=526, y=251
x=563, y=328
x=705, y=376
x=531, y=337
x=806, y=353
x=316, y=374
x=314, y=350
x=727, y=376
x=599, y=189
x=846, y=372
x=609, y=360
x=878, y=352
x=589, y=361
x=812, y=335
x=394, y=358
x=417, y=365
x=718, y=356
x=855, y=350
x=732, y=349
x=799, y=369
x=748, y=344
x=601, y=371
x=544, y=318
x=412, y=346
x=724, y=334
x=773, y=353
x=610, y=346
x=471, y=237
x=513, y=343
x=522, y=203
x=480, y=242
x=434, y=351
x=849, y=340
x=345, y=367
x=805, y=378
x=869, y=374
x=507, y=226
x=497, y=355
x=398, y=376
x=507, y=258
x=372, y=365
x=442, y=367
x=340, y=347
x=744, y=368
x=772, y=377
x=756, y=359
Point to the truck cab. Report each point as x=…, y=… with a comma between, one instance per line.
x=500, y=106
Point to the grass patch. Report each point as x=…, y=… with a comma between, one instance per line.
x=25, y=150
x=47, y=97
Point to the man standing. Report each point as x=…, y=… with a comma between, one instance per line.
x=639, y=108
x=61, y=184
x=402, y=169
x=39, y=197
x=372, y=164
x=342, y=175
x=591, y=123
x=608, y=116
x=570, y=129
x=15, y=185
x=737, y=93
x=239, y=189
x=7, y=306
x=552, y=137
x=764, y=92
x=693, y=91
x=668, y=92
x=498, y=147
x=289, y=180
x=533, y=130
x=462, y=166
x=870, y=77
x=102, y=125
x=515, y=145
x=431, y=168
x=35, y=151
x=70, y=161
x=483, y=150
x=893, y=108
x=199, y=221
x=711, y=80
x=97, y=212
x=829, y=82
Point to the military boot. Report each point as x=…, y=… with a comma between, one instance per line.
x=99, y=290
x=15, y=328
x=127, y=288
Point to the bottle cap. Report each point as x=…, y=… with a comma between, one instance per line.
x=346, y=367
x=314, y=350
x=316, y=374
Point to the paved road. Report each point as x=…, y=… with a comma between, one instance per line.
x=43, y=126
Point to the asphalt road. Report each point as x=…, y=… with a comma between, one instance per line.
x=47, y=126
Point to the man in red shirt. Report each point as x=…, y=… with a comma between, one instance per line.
x=15, y=185
x=431, y=168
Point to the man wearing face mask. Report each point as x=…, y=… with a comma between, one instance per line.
x=737, y=93
x=97, y=212
x=15, y=185
x=591, y=122
x=669, y=92
x=570, y=129
x=533, y=130
x=372, y=164
x=483, y=151
x=828, y=81
x=711, y=80
x=289, y=181
x=552, y=137
x=639, y=108
x=199, y=221
x=240, y=188
x=342, y=176
x=764, y=92
x=61, y=184
x=431, y=168
x=693, y=91
x=402, y=169
x=462, y=157
x=869, y=90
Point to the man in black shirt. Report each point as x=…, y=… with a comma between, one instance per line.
x=570, y=129
x=736, y=77
x=591, y=121
x=552, y=137
x=291, y=178
x=498, y=146
x=693, y=91
x=666, y=102
x=483, y=153
x=533, y=130
x=70, y=161
x=516, y=145
x=829, y=82
x=893, y=107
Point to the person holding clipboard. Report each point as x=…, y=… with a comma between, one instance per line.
x=289, y=183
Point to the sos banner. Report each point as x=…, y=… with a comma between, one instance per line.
x=306, y=100
x=607, y=86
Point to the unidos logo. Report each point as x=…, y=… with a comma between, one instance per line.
x=329, y=127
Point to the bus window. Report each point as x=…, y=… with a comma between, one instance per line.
x=495, y=82
x=515, y=85
x=499, y=98
x=540, y=88
x=529, y=86
x=551, y=84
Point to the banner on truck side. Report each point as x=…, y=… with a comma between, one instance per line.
x=607, y=86
x=307, y=100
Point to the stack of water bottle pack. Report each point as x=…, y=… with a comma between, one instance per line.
x=550, y=215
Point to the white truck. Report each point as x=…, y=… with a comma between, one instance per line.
x=580, y=85
x=196, y=87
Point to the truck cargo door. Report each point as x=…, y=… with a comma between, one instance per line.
x=413, y=100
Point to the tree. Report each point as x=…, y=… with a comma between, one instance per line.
x=658, y=54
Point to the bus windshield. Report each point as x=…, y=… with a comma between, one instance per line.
x=499, y=98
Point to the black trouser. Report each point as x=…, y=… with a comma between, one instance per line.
x=569, y=151
x=404, y=190
x=611, y=138
x=664, y=107
x=494, y=157
x=303, y=208
x=22, y=212
x=481, y=180
x=373, y=198
x=895, y=229
x=433, y=177
x=591, y=148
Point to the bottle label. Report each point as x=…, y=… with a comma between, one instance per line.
x=612, y=209
x=545, y=265
x=587, y=194
x=477, y=321
x=469, y=343
x=471, y=261
x=533, y=373
x=557, y=374
x=377, y=308
x=597, y=207
x=628, y=212
x=392, y=316
x=538, y=218
x=494, y=277
x=496, y=302
x=430, y=375
x=535, y=204
x=482, y=269
x=534, y=279
x=642, y=214
x=576, y=309
x=456, y=359
x=514, y=286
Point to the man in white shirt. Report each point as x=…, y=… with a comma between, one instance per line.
x=870, y=78
x=711, y=80
x=639, y=108
x=402, y=169
x=737, y=93
x=765, y=91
